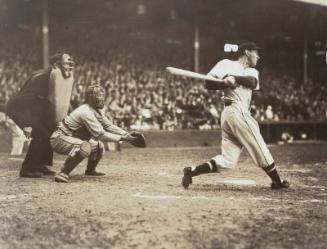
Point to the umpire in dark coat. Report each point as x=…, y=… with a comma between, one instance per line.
x=33, y=110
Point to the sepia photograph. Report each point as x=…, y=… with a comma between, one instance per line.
x=163, y=124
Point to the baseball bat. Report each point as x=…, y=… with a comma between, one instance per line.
x=190, y=74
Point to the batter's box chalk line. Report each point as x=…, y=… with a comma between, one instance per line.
x=242, y=182
x=12, y=197
x=164, y=173
x=15, y=159
x=166, y=197
x=313, y=201
x=22, y=159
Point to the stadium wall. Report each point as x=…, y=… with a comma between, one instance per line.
x=271, y=131
x=299, y=130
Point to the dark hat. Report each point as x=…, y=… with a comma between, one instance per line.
x=247, y=46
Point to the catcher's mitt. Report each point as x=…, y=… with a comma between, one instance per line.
x=140, y=139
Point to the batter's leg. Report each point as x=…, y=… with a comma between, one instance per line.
x=247, y=131
x=231, y=150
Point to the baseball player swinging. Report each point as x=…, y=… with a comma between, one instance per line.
x=80, y=133
x=239, y=129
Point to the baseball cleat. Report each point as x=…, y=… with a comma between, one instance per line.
x=61, y=177
x=94, y=173
x=187, y=178
x=284, y=184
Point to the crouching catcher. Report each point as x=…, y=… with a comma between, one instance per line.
x=80, y=133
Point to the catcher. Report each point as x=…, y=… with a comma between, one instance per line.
x=80, y=133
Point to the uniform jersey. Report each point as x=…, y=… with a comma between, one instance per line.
x=91, y=121
x=240, y=95
x=239, y=128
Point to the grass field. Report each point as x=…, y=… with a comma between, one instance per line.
x=140, y=203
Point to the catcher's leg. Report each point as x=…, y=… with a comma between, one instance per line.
x=75, y=148
x=94, y=159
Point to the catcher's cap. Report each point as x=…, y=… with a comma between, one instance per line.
x=247, y=46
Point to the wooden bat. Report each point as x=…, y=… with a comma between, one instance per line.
x=212, y=83
x=190, y=74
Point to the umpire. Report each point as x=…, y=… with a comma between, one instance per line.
x=33, y=110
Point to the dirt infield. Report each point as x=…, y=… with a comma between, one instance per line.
x=141, y=204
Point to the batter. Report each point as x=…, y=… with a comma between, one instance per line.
x=239, y=129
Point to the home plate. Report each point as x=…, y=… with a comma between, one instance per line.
x=239, y=182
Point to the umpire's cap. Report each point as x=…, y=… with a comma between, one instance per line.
x=247, y=46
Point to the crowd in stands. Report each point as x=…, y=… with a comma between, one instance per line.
x=285, y=98
x=141, y=95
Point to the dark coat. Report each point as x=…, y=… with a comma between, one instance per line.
x=31, y=107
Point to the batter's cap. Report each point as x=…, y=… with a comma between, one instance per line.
x=247, y=46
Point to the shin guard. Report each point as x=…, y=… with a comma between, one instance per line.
x=94, y=159
x=75, y=157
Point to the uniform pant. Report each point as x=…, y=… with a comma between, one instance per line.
x=69, y=145
x=240, y=130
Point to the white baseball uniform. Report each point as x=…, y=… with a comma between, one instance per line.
x=92, y=123
x=239, y=129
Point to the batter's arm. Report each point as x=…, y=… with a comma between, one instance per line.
x=247, y=81
x=227, y=81
x=219, y=71
x=212, y=85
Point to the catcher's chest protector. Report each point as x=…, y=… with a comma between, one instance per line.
x=60, y=94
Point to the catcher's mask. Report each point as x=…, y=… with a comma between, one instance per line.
x=65, y=63
x=95, y=96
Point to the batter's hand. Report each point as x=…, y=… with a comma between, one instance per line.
x=28, y=132
x=230, y=80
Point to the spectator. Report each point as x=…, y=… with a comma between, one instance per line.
x=135, y=81
x=269, y=115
